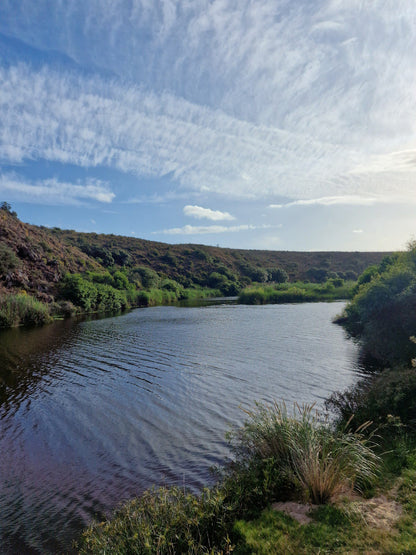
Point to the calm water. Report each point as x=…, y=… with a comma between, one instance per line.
x=93, y=412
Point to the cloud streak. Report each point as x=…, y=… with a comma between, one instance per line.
x=310, y=100
x=211, y=229
x=345, y=200
x=200, y=213
x=92, y=122
x=52, y=191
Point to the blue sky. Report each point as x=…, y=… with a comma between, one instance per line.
x=276, y=124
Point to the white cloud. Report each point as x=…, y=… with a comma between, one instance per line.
x=308, y=100
x=202, y=230
x=52, y=191
x=345, y=200
x=206, y=213
x=94, y=122
x=358, y=231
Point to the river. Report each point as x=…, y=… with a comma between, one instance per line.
x=93, y=412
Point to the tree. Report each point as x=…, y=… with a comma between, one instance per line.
x=7, y=208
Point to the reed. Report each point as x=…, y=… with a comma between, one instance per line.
x=22, y=309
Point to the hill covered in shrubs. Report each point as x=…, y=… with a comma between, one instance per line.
x=68, y=270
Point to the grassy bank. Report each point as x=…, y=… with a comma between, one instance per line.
x=23, y=310
x=277, y=455
x=358, y=495
x=299, y=292
x=95, y=292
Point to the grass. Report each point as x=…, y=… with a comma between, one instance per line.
x=308, y=453
x=155, y=296
x=22, y=309
x=163, y=520
x=344, y=528
x=295, y=292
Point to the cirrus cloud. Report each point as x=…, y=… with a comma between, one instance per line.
x=52, y=191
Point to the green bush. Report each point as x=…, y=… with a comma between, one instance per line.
x=295, y=292
x=163, y=521
x=148, y=277
x=8, y=260
x=120, y=280
x=278, y=275
x=79, y=291
x=388, y=399
x=93, y=296
x=383, y=315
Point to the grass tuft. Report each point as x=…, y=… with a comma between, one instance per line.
x=306, y=451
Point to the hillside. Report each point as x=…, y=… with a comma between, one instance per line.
x=35, y=259
x=194, y=264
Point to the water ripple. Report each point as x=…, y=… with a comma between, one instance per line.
x=92, y=413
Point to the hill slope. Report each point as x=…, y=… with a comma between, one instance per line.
x=35, y=259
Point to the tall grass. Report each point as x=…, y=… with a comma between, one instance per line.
x=307, y=452
x=22, y=309
x=295, y=293
x=153, y=297
x=163, y=521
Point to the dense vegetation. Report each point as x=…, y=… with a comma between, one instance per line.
x=383, y=311
x=279, y=456
x=298, y=292
x=73, y=272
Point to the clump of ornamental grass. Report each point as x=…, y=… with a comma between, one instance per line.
x=163, y=521
x=304, y=452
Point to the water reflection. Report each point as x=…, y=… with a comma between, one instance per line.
x=94, y=412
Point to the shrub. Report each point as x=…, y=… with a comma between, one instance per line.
x=93, y=296
x=79, y=291
x=120, y=280
x=8, y=260
x=148, y=277
x=386, y=399
x=164, y=520
x=64, y=308
x=382, y=314
x=278, y=275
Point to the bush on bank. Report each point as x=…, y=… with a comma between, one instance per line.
x=382, y=313
x=164, y=520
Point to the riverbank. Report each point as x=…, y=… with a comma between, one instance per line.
x=100, y=293
x=367, y=505
x=24, y=310
x=298, y=292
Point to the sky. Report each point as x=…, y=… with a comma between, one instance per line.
x=259, y=124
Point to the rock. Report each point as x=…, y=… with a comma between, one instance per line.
x=29, y=254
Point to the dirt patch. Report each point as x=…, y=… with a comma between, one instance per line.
x=379, y=512
x=298, y=511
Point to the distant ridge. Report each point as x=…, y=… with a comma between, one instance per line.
x=35, y=259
